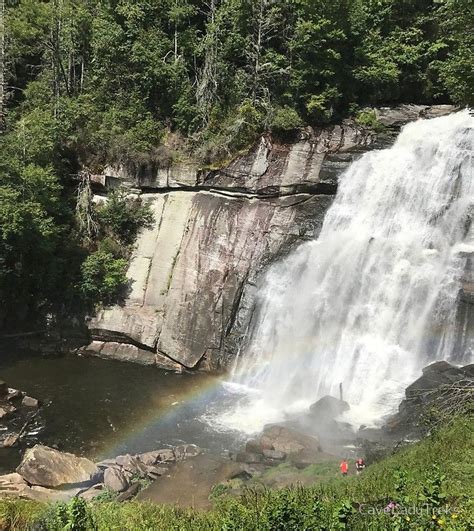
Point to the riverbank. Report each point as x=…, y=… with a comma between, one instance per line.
x=427, y=483
x=100, y=409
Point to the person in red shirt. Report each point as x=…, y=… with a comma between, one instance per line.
x=344, y=467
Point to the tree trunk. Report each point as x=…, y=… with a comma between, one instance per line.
x=258, y=50
x=2, y=66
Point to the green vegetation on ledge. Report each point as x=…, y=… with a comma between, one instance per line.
x=430, y=482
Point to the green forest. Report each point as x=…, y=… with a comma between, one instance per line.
x=85, y=83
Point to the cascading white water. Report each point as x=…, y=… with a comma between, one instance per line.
x=373, y=299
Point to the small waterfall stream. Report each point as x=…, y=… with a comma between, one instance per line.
x=373, y=299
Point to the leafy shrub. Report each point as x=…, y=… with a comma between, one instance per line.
x=368, y=118
x=285, y=119
x=103, y=277
x=121, y=217
x=320, y=107
x=75, y=515
x=342, y=513
x=293, y=508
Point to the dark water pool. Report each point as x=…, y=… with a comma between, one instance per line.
x=104, y=408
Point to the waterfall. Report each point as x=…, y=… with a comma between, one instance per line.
x=373, y=299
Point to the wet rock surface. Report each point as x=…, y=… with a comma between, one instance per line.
x=442, y=390
x=439, y=394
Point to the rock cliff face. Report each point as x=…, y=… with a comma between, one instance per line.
x=193, y=275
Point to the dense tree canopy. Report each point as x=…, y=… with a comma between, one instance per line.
x=87, y=82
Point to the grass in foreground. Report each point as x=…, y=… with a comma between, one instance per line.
x=429, y=485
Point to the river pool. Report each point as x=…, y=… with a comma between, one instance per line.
x=100, y=408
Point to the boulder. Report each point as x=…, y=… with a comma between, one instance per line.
x=131, y=464
x=328, y=408
x=258, y=445
x=115, y=480
x=248, y=458
x=273, y=454
x=186, y=450
x=433, y=377
x=290, y=441
x=237, y=471
x=44, y=495
x=3, y=388
x=46, y=467
x=15, y=486
x=14, y=394
x=11, y=440
x=149, y=458
x=154, y=472
x=130, y=493
x=92, y=493
x=12, y=484
x=468, y=371
x=28, y=401
x=107, y=463
x=432, y=388
x=166, y=455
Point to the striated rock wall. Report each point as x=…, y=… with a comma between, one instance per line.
x=188, y=272
x=193, y=275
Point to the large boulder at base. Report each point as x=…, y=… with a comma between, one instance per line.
x=328, y=408
x=289, y=441
x=282, y=442
x=50, y=468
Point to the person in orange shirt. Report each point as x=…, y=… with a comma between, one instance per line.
x=344, y=467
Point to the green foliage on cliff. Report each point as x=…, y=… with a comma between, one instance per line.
x=138, y=81
x=122, y=218
x=103, y=277
x=429, y=481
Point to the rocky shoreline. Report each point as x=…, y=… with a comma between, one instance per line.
x=282, y=454
x=46, y=474
x=17, y=412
